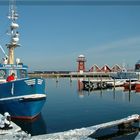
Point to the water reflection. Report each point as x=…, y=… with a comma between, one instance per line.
x=80, y=88
x=68, y=106
x=33, y=127
x=113, y=91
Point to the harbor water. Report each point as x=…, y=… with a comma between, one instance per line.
x=68, y=107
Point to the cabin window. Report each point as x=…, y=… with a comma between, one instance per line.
x=23, y=73
x=2, y=74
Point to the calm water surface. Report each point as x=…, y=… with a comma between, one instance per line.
x=68, y=107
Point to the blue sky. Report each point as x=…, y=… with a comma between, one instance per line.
x=52, y=37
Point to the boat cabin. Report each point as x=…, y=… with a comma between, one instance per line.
x=7, y=69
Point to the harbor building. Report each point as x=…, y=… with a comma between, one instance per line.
x=116, y=68
x=81, y=68
x=106, y=68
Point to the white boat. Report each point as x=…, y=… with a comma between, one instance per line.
x=116, y=82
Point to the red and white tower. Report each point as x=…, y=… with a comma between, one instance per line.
x=81, y=63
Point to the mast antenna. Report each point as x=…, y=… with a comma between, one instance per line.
x=14, y=34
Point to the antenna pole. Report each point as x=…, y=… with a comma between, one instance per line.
x=13, y=16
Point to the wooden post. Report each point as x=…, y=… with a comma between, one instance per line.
x=101, y=82
x=57, y=77
x=84, y=75
x=129, y=84
x=70, y=78
x=88, y=81
x=114, y=84
x=90, y=84
x=129, y=95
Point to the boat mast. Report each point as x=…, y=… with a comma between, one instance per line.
x=14, y=34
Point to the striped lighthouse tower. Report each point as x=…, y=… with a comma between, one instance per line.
x=81, y=63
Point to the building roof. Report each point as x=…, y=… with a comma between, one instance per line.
x=81, y=55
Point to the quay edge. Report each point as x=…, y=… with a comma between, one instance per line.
x=69, y=74
x=87, y=133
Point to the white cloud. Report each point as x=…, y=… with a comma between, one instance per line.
x=115, y=52
x=119, y=45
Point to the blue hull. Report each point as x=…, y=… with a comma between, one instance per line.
x=23, y=98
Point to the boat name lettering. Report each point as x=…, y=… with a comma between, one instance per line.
x=8, y=66
x=40, y=81
x=30, y=82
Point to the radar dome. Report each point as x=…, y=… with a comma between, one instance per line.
x=14, y=25
x=17, y=60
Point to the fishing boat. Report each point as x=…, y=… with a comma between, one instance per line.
x=94, y=84
x=23, y=97
x=125, y=79
x=130, y=84
x=137, y=86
